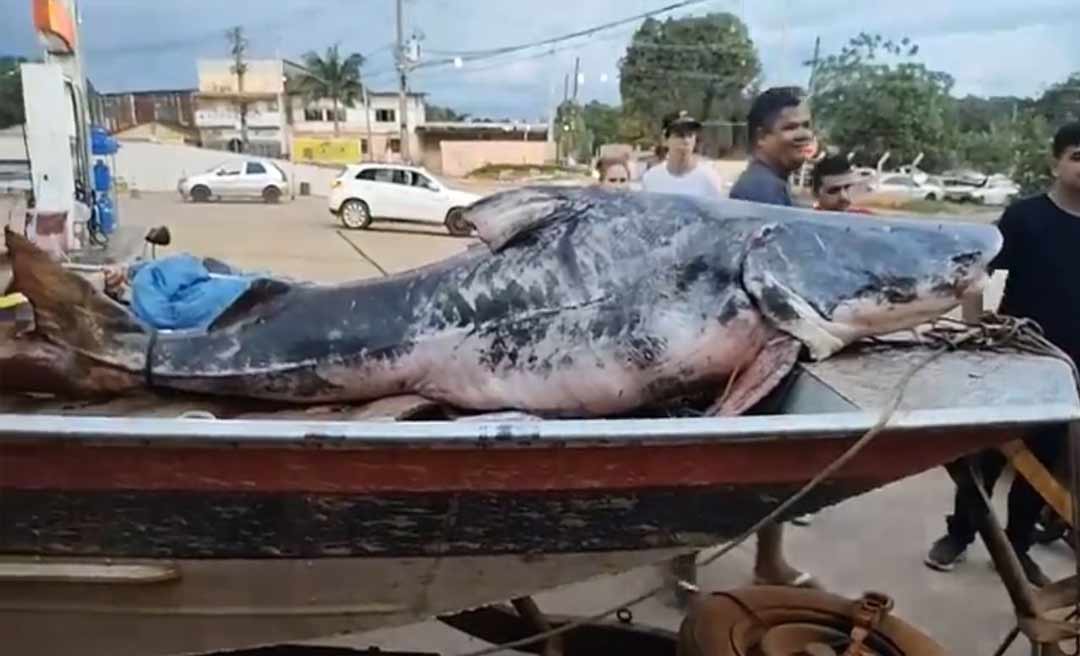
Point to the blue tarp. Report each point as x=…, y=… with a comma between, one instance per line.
x=178, y=292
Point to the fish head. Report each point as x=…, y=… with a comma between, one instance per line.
x=831, y=281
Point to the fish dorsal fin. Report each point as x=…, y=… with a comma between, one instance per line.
x=503, y=217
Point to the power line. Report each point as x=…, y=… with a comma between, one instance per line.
x=492, y=52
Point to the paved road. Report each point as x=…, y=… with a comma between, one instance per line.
x=874, y=542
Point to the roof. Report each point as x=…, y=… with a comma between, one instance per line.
x=149, y=92
x=464, y=126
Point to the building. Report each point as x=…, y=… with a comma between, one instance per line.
x=220, y=106
x=457, y=148
x=312, y=122
x=121, y=111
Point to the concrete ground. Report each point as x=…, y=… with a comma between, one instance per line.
x=874, y=542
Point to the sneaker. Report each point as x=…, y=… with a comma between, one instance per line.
x=803, y=520
x=945, y=554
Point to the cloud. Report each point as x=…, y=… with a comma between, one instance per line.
x=996, y=47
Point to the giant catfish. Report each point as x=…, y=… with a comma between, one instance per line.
x=577, y=302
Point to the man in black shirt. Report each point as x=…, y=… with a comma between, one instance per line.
x=1041, y=252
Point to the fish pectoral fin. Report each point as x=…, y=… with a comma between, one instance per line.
x=753, y=383
x=261, y=292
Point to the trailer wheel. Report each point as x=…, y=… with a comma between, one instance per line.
x=784, y=620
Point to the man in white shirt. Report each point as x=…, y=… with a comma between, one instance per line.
x=683, y=172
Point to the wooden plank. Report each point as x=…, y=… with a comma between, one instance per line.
x=1045, y=483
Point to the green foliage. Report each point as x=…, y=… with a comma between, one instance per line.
x=437, y=113
x=874, y=97
x=11, y=99
x=573, y=136
x=602, y=122
x=701, y=64
x=1033, y=138
x=330, y=76
x=1060, y=103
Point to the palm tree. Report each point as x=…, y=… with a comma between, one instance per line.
x=330, y=76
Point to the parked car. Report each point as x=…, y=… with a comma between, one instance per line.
x=956, y=189
x=998, y=190
x=366, y=192
x=905, y=185
x=240, y=178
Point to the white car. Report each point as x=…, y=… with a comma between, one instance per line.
x=240, y=178
x=905, y=185
x=365, y=192
x=996, y=191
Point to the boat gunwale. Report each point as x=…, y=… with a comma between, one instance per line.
x=16, y=429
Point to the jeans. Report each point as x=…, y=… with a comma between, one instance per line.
x=1024, y=501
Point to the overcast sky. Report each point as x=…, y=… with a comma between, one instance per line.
x=991, y=47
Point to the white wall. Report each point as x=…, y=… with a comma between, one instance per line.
x=356, y=117
x=158, y=167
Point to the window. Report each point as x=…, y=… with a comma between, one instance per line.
x=395, y=145
x=230, y=169
x=402, y=177
x=363, y=146
x=254, y=168
x=313, y=114
x=422, y=181
x=385, y=115
x=376, y=175
x=340, y=115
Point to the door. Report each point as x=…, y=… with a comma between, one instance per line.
x=427, y=200
x=227, y=180
x=255, y=179
x=376, y=187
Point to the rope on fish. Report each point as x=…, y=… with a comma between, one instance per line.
x=993, y=332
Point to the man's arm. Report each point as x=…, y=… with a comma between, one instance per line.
x=1010, y=227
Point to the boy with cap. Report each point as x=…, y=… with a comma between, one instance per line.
x=682, y=172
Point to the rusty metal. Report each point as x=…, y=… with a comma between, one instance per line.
x=869, y=611
x=527, y=608
x=784, y=621
x=500, y=625
x=1030, y=605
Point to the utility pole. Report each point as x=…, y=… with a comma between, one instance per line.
x=367, y=113
x=403, y=87
x=577, y=68
x=813, y=68
x=238, y=45
x=566, y=88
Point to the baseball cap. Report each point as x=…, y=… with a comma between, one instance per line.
x=680, y=119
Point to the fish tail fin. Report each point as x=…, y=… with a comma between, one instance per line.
x=70, y=312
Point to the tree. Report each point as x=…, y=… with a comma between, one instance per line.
x=1032, y=170
x=863, y=101
x=602, y=122
x=701, y=64
x=437, y=113
x=1060, y=103
x=11, y=98
x=332, y=77
x=573, y=137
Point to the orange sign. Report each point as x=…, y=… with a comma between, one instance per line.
x=55, y=24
